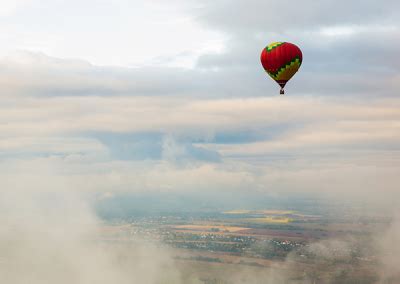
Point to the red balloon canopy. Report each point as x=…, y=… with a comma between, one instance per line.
x=281, y=60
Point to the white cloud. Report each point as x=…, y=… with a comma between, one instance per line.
x=8, y=7
x=350, y=30
x=73, y=129
x=297, y=144
x=123, y=33
x=65, y=109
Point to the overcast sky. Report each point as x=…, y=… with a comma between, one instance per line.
x=118, y=96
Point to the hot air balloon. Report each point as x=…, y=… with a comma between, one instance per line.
x=281, y=60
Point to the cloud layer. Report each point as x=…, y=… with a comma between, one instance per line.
x=219, y=123
x=196, y=116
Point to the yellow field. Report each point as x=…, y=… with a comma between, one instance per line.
x=208, y=228
x=266, y=212
x=271, y=220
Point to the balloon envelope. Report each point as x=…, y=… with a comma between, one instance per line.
x=281, y=60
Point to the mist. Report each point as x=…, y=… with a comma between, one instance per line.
x=50, y=234
x=147, y=110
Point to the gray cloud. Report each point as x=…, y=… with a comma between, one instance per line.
x=50, y=234
x=362, y=63
x=154, y=146
x=38, y=74
x=216, y=128
x=280, y=16
x=350, y=49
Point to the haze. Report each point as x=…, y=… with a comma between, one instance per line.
x=113, y=107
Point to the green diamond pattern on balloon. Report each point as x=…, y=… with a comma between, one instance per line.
x=274, y=45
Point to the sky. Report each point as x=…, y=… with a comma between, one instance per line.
x=131, y=96
x=102, y=100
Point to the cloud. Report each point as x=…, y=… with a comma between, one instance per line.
x=73, y=133
x=343, y=51
x=340, y=65
x=154, y=146
x=135, y=143
x=280, y=16
x=390, y=255
x=142, y=122
x=176, y=151
x=51, y=233
x=8, y=7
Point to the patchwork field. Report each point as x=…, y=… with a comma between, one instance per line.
x=246, y=246
x=270, y=220
x=209, y=228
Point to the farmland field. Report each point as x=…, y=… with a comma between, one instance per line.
x=250, y=245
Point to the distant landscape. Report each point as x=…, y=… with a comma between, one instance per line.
x=243, y=245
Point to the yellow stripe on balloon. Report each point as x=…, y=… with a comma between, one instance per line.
x=273, y=45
